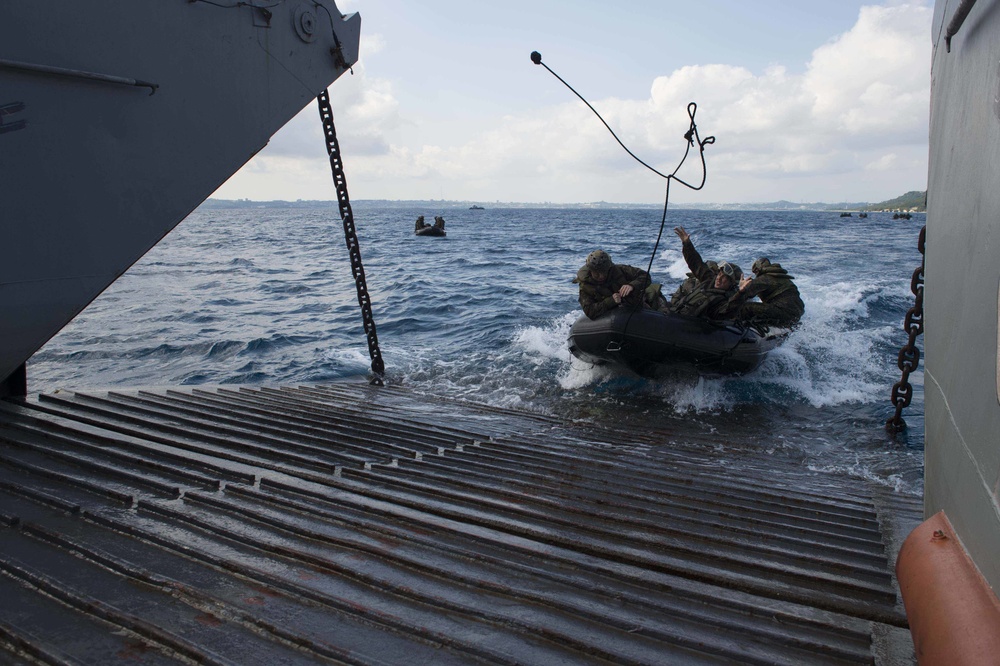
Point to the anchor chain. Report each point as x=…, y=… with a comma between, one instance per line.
x=351, y=236
x=909, y=355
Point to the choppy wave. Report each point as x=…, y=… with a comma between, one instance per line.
x=268, y=296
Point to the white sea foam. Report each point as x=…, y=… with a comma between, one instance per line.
x=544, y=343
x=829, y=360
x=348, y=360
x=676, y=267
x=547, y=342
x=701, y=395
x=580, y=374
x=863, y=470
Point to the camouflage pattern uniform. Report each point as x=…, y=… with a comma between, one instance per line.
x=698, y=297
x=597, y=298
x=780, y=304
x=688, y=286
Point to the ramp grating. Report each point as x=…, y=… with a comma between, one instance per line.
x=352, y=525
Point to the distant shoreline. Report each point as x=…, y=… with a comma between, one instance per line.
x=441, y=205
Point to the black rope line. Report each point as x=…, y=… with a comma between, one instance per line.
x=663, y=221
x=536, y=58
x=691, y=138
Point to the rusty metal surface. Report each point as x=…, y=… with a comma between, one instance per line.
x=358, y=525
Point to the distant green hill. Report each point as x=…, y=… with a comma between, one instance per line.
x=915, y=200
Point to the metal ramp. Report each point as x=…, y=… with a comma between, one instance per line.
x=353, y=525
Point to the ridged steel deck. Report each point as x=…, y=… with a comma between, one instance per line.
x=349, y=524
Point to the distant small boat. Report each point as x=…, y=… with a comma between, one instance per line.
x=475, y=207
x=846, y=215
x=436, y=229
x=862, y=214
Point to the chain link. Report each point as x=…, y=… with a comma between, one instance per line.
x=351, y=236
x=909, y=355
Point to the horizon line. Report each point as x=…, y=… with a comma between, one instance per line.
x=783, y=202
x=520, y=203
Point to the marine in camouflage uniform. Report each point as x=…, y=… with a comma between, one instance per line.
x=602, y=283
x=780, y=305
x=710, y=290
x=690, y=282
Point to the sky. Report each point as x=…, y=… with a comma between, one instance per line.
x=808, y=101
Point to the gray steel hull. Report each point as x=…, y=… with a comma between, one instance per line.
x=962, y=459
x=96, y=170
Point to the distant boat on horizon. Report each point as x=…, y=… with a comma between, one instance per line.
x=475, y=207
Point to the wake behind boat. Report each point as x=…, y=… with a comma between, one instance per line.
x=651, y=343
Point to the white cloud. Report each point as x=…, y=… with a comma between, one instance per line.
x=883, y=163
x=859, y=107
x=875, y=78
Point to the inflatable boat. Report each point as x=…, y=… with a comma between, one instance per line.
x=652, y=343
x=430, y=231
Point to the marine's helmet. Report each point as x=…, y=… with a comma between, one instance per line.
x=599, y=261
x=760, y=265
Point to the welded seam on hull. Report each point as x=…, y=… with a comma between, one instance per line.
x=965, y=446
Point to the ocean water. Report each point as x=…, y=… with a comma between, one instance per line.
x=265, y=296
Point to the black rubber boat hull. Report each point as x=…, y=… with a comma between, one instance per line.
x=430, y=231
x=652, y=343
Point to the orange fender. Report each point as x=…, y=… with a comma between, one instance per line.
x=954, y=615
